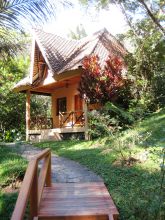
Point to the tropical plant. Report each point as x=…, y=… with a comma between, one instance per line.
x=108, y=120
x=16, y=14
x=12, y=110
x=146, y=66
x=101, y=85
x=154, y=10
x=12, y=105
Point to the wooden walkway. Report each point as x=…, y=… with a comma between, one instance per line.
x=61, y=201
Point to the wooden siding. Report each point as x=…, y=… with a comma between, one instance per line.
x=69, y=92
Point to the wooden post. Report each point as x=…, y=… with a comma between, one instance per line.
x=34, y=195
x=27, y=114
x=48, y=176
x=86, y=119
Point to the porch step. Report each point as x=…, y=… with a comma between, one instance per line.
x=54, y=136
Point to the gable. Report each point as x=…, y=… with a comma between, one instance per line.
x=62, y=55
x=55, y=59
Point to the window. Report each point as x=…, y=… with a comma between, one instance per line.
x=61, y=105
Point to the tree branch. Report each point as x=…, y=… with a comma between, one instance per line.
x=153, y=18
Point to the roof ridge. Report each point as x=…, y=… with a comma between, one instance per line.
x=52, y=47
x=96, y=35
x=51, y=33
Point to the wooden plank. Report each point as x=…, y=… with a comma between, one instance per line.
x=42, y=176
x=34, y=195
x=24, y=192
x=48, y=176
x=41, y=155
x=77, y=199
x=99, y=217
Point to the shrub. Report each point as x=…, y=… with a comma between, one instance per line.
x=111, y=118
x=102, y=84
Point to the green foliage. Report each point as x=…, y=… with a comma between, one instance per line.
x=36, y=10
x=146, y=68
x=123, y=116
x=98, y=124
x=146, y=64
x=14, y=13
x=12, y=111
x=7, y=204
x=12, y=168
x=108, y=120
x=40, y=106
x=135, y=187
x=152, y=10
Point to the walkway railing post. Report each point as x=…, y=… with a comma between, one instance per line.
x=34, y=195
x=48, y=176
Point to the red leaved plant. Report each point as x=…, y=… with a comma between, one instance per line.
x=100, y=85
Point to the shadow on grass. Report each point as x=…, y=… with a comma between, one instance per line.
x=7, y=203
x=12, y=166
x=135, y=190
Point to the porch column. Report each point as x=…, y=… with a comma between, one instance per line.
x=53, y=113
x=27, y=114
x=86, y=120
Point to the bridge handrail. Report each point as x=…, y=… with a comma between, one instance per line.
x=32, y=185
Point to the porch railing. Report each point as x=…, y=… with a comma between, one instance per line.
x=32, y=186
x=41, y=123
x=71, y=119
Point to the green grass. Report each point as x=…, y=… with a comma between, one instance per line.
x=12, y=168
x=135, y=188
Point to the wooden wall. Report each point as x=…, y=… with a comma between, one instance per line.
x=68, y=92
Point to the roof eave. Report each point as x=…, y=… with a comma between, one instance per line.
x=21, y=88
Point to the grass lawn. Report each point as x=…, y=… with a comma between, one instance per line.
x=12, y=169
x=129, y=163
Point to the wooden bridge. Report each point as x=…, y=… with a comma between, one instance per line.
x=61, y=201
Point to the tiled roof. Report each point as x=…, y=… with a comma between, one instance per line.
x=63, y=55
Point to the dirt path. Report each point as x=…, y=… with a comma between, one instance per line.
x=63, y=170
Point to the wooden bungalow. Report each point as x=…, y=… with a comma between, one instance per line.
x=56, y=68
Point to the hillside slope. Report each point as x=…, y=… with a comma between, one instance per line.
x=129, y=163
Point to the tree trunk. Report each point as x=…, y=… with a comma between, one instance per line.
x=153, y=18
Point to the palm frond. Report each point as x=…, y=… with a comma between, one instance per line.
x=11, y=14
x=12, y=11
x=11, y=42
